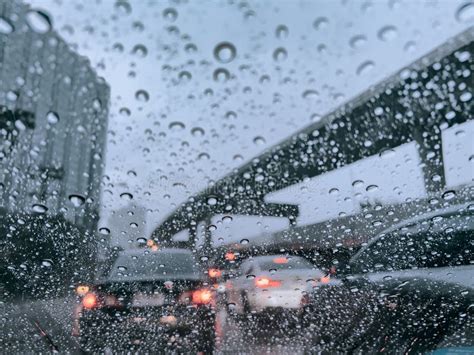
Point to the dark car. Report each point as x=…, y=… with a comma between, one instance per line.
x=150, y=300
x=405, y=291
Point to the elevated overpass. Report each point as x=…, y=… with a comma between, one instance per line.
x=413, y=105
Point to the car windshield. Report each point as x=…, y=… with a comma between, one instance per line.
x=236, y=176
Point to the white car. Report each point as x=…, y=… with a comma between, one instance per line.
x=271, y=282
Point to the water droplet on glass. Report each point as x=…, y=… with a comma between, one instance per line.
x=449, y=195
x=39, y=21
x=176, y=126
x=121, y=268
x=320, y=23
x=77, y=200
x=244, y=241
x=47, y=263
x=197, y=132
x=465, y=13
x=259, y=140
x=142, y=95
x=170, y=14
x=185, y=76
x=334, y=191
x=387, y=33
x=280, y=54
x=104, y=231
x=310, y=94
x=372, y=188
x=140, y=50
x=39, y=208
x=212, y=201
x=52, y=117
x=225, y=52
x=358, y=183
x=5, y=26
x=358, y=41
x=281, y=32
x=365, y=67
x=221, y=75
x=126, y=196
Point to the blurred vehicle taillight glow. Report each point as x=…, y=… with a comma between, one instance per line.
x=203, y=296
x=214, y=273
x=266, y=282
x=82, y=290
x=90, y=300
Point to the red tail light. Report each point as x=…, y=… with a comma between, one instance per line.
x=214, y=273
x=202, y=296
x=90, y=300
x=266, y=282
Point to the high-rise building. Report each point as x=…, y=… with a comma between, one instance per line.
x=53, y=121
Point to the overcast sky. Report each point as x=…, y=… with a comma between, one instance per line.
x=164, y=148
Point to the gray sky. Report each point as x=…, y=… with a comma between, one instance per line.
x=182, y=138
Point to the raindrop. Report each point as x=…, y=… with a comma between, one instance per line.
x=170, y=14
x=104, y=231
x=365, y=67
x=39, y=208
x=126, y=196
x=320, y=23
x=121, y=268
x=142, y=95
x=221, y=75
x=465, y=13
x=197, y=132
x=358, y=41
x=280, y=54
x=387, y=33
x=225, y=52
x=334, y=191
x=281, y=32
x=244, y=241
x=47, y=263
x=39, y=21
x=238, y=157
x=212, y=201
x=77, y=200
x=141, y=240
x=185, y=76
x=203, y=156
x=358, y=183
x=259, y=140
x=449, y=195
x=372, y=188
x=12, y=95
x=52, y=117
x=466, y=96
x=140, y=50
x=5, y=26
x=310, y=94
x=227, y=219
x=176, y=126
x=250, y=277
x=124, y=7
x=387, y=153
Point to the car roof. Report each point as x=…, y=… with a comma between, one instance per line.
x=451, y=210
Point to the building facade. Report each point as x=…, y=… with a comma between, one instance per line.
x=53, y=121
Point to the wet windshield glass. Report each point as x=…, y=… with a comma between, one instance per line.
x=235, y=176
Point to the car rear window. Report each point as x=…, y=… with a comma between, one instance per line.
x=154, y=265
x=285, y=263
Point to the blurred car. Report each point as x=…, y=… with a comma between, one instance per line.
x=271, y=283
x=153, y=300
x=405, y=290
